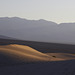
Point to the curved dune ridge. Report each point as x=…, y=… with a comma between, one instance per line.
x=23, y=53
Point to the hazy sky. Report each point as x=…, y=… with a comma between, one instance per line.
x=52, y=10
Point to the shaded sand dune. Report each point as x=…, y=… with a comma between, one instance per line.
x=46, y=68
x=22, y=53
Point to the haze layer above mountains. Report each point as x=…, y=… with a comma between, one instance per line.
x=37, y=30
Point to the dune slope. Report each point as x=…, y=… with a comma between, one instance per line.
x=23, y=53
x=13, y=58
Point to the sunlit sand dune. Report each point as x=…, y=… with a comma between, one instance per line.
x=64, y=56
x=21, y=60
x=23, y=53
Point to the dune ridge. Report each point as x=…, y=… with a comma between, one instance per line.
x=24, y=53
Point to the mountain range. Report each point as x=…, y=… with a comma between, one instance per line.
x=37, y=30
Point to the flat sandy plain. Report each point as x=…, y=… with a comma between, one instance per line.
x=22, y=58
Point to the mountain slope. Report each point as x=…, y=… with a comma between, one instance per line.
x=5, y=37
x=38, y=30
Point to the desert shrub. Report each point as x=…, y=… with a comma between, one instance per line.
x=54, y=56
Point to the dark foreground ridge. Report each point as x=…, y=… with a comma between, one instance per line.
x=42, y=46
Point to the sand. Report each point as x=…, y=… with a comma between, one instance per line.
x=28, y=54
x=23, y=53
x=24, y=60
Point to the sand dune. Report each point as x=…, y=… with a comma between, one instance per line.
x=64, y=56
x=23, y=53
x=13, y=58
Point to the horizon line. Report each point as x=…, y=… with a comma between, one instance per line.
x=36, y=19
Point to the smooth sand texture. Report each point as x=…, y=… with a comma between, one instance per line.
x=24, y=53
x=64, y=56
x=28, y=54
x=54, y=66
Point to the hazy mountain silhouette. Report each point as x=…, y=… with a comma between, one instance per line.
x=5, y=37
x=37, y=30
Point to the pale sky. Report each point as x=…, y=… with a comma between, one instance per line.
x=53, y=10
